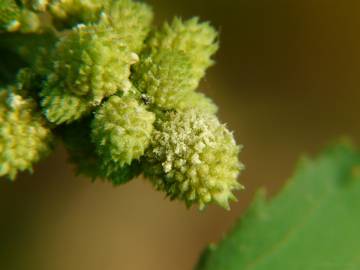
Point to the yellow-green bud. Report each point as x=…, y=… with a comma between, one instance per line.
x=76, y=137
x=36, y=5
x=13, y=18
x=72, y=12
x=60, y=107
x=89, y=63
x=24, y=138
x=29, y=21
x=196, y=100
x=197, y=40
x=9, y=15
x=166, y=76
x=27, y=83
x=121, y=130
x=194, y=158
x=131, y=20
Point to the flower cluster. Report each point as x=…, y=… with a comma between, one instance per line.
x=119, y=92
x=24, y=137
x=194, y=158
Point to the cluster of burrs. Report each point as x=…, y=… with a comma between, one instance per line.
x=119, y=92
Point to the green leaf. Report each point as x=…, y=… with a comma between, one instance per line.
x=312, y=224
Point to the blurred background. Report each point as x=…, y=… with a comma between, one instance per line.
x=286, y=81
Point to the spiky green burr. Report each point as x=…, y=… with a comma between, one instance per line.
x=24, y=137
x=89, y=63
x=194, y=158
x=122, y=129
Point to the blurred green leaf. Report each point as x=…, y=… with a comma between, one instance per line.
x=313, y=223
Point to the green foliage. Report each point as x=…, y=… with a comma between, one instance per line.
x=119, y=93
x=312, y=224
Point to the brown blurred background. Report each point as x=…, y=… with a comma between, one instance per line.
x=286, y=81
